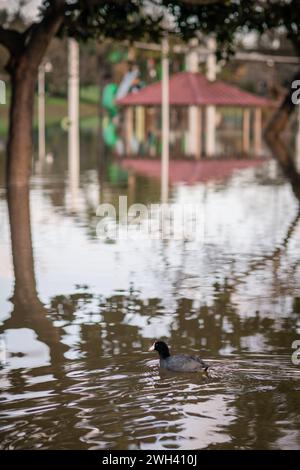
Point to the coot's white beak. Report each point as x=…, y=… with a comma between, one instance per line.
x=152, y=348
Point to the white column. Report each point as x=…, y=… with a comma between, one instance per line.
x=128, y=130
x=41, y=113
x=165, y=122
x=140, y=123
x=246, y=130
x=298, y=140
x=210, y=142
x=211, y=72
x=192, y=65
x=257, y=132
x=73, y=109
x=2, y=92
x=194, y=117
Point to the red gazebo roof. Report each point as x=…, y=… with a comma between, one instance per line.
x=189, y=88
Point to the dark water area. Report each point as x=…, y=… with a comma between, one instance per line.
x=78, y=314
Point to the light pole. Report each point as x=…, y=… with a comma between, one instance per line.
x=194, y=112
x=2, y=92
x=43, y=69
x=73, y=112
x=211, y=71
x=165, y=122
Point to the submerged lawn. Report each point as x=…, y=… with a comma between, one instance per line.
x=56, y=108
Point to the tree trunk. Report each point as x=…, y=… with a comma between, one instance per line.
x=280, y=118
x=275, y=127
x=23, y=68
x=19, y=149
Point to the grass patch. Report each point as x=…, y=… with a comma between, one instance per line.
x=90, y=94
x=56, y=109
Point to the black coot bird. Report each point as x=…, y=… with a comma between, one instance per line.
x=179, y=362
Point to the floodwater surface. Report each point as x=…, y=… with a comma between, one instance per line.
x=78, y=315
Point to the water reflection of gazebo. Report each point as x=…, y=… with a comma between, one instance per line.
x=200, y=111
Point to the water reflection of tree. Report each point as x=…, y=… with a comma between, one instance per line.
x=28, y=310
x=119, y=330
x=220, y=323
x=26, y=300
x=100, y=342
x=283, y=155
x=259, y=419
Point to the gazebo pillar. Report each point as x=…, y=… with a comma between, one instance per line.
x=210, y=141
x=140, y=123
x=128, y=129
x=257, y=132
x=195, y=131
x=246, y=130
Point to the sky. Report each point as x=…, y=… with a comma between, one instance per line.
x=30, y=9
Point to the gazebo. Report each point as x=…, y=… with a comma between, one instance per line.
x=195, y=100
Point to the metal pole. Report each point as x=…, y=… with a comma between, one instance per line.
x=73, y=110
x=2, y=92
x=165, y=122
x=41, y=113
x=211, y=72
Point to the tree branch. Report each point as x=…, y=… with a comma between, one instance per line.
x=38, y=35
x=11, y=40
x=201, y=2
